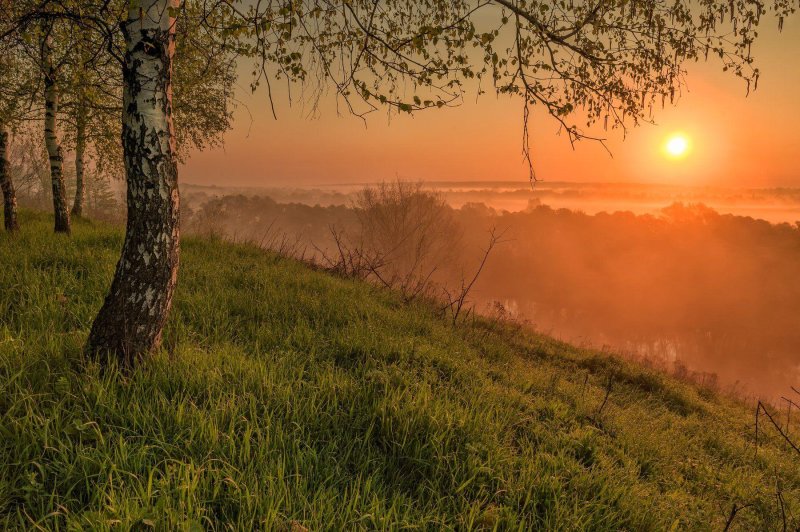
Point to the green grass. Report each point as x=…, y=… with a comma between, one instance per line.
x=288, y=398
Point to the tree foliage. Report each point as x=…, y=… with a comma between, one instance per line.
x=586, y=62
x=583, y=62
x=89, y=46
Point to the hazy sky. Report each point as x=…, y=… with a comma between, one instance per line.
x=751, y=141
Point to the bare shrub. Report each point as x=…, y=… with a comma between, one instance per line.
x=407, y=237
x=349, y=259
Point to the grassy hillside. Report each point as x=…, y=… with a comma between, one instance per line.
x=289, y=398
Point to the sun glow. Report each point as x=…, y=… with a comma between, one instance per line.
x=677, y=146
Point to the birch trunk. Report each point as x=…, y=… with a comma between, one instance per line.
x=54, y=153
x=9, y=195
x=133, y=315
x=80, y=150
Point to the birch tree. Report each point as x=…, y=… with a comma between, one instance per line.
x=135, y=310
x=50, y=73
x=587, y=64
x=81, y=119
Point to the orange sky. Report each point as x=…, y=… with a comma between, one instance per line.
x=736, y=141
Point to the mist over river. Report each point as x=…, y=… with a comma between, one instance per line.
x=696, y=280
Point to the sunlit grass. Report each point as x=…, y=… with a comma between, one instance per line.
x=286, y=397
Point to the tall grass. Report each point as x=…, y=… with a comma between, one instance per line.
x=289, y=398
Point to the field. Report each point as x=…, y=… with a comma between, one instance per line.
x=288, y=398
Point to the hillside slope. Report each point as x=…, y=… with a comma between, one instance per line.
x=289, y=398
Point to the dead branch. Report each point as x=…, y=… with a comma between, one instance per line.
x=457, y=300
x=762, y=408
x=609, y=385
x=735, y=510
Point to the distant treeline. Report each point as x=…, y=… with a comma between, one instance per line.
x=718, y=293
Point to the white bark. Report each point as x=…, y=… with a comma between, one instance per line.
x=132, y=318
x=62, y=222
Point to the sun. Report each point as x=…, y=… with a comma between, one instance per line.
x=677, y=146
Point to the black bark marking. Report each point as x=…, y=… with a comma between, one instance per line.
x=131, y=321
x=60, y=210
